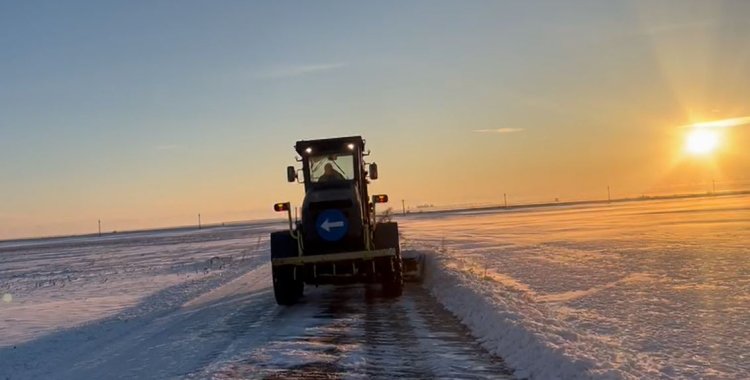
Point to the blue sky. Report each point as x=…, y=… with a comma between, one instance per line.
x=145, y=113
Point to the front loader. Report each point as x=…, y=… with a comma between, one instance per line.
x=338, y=239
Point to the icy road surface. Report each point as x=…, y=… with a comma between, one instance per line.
x=198, y=304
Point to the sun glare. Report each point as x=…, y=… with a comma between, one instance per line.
x=702, y=141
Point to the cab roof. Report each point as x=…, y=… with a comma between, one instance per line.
x=336, y=144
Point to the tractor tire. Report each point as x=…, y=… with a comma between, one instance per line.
x=386, y=236
x=286, y=289
x=393, y=280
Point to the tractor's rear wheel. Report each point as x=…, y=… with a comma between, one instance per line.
x=393, y=279
x=286, y=288
x=386, y=236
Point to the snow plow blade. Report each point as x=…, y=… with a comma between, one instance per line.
x=413, y=264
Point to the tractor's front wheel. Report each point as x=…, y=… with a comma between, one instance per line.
x=393, y=280
x=286, y=288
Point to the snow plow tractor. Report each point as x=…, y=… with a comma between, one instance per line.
x=338, y=238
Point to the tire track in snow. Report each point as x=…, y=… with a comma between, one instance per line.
x=353, y=332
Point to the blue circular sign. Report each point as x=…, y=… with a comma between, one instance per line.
x=332, y=225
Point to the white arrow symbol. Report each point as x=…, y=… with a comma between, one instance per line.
x=327, y=225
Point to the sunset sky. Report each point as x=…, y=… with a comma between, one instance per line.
x=146, y=113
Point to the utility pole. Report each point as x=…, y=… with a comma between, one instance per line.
x=609, y=195
x=713, y=182
x=100, y=228
x=403, y=207
x=505, y=199
x=199, y=221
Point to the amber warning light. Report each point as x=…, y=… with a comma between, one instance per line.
x=380, y=198
x=278, y=207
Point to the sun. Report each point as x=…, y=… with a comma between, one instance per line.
x=702, y=141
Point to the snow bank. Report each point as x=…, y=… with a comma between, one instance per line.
x=530, y=338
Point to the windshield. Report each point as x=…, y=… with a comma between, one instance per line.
x=331, y=167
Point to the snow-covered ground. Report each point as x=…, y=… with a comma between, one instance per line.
x=51, y=284
x=657, y=289
x=199, y=304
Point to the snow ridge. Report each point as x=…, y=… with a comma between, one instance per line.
x=528, y=336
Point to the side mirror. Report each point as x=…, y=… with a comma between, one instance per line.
x=373, y=171
x=291, y=174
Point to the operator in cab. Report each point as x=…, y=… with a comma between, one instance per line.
x=330, y=174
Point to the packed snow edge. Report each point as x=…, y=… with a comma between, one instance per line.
x=529, y=336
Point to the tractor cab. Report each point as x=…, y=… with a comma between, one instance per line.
x=336, y=205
